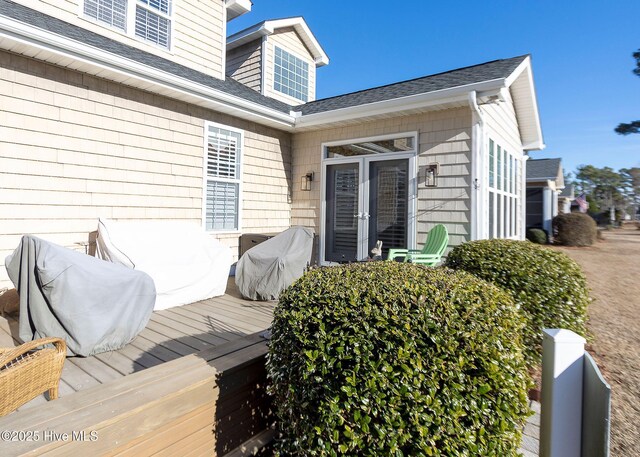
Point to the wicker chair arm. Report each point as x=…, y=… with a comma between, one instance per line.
x=7, y=355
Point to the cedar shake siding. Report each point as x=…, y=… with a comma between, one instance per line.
x=443, y=136
x=74, y=147
x=198, y=36
x=244, y=64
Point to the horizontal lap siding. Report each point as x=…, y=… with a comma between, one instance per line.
x=244, y=64
x=198, y=31
x=288, y=40
x=74, y=148
x=444, y=137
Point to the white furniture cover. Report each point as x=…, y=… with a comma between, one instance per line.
x=265, y=270
x=186, y=264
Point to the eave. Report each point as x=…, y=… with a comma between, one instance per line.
x=43, y=45
x=267, y=28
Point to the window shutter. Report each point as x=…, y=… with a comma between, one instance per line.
x=153, y=27
x=222, y=205
x=110, y=12
x=223, y=157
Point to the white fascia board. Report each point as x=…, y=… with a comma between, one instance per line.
x=236, y=8
x=59, y=45
x=248, y=35
x=525, y=67
x=430, y=99
x=534, y=146
x=269, y=27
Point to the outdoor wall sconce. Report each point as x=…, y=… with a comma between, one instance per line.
x=305, y=183
x=431, y=175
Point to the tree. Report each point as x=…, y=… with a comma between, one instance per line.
x=631, y=190
x=634, y=126
x=605, y=188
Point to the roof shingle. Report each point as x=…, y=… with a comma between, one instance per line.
x=543, y=168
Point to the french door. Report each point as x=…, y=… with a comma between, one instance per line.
x=368, y=199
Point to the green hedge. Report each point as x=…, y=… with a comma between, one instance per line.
x=575, y=229
x=387, y=358
x=536, y=235
x=547, y=285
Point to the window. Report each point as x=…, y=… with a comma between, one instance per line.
x=110, y=12
x=291, y=75
x=149, y=20
x=153, y=21
x=504, y=193
x=222, y=182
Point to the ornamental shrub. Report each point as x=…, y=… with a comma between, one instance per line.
x=536, y=235
x=575, y=229
x=549, y=287
x=396, y=359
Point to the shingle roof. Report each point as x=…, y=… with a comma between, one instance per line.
x=495, y=69
x=543, y=168
x=463, y=76
x=45, y=22
x=568, y=191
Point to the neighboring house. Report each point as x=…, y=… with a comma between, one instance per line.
x=565, y=198
x=130, y=110
x=545, y=181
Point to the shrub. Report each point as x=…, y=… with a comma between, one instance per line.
x=575, y=229
x=549, y=287
x=388, y=358
x=536, y=235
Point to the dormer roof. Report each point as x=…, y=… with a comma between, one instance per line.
x=266, y=28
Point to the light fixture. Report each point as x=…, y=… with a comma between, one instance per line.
x=431, y=175
x=305, y=182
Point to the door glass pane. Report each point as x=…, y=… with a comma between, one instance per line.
x=388, y=202
x=342, y=210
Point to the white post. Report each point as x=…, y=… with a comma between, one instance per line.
x=562, y=371
x=547, y=210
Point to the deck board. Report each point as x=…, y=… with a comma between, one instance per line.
x=169, y=335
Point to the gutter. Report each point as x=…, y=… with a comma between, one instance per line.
x=458, y=94
x=59, y=45
x=477, y=165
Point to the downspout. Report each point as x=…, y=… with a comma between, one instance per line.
x=477, y=167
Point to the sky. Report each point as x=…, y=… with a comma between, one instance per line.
x=581, y=56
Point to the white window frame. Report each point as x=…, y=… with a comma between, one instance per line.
x=205, y=178
x=130, y=27
x=508, y=191
x=279, y=92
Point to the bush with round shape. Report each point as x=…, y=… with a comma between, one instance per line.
x=536, y=235
x=575, y=229
x=388, y=358
x=550, y=288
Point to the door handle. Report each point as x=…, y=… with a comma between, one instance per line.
x=365, y=215
x=359, y=215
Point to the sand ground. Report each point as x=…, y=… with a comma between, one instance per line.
x=612, y=267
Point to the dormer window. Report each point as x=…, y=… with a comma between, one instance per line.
x=291, y=75
x=149, y=20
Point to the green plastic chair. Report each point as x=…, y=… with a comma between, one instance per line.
x=430, y=254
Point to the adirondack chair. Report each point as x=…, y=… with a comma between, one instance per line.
x=430, y=254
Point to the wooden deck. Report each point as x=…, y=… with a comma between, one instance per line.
x=170, y=334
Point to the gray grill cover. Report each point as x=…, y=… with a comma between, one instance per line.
x=94, y=305
x=270, y=267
